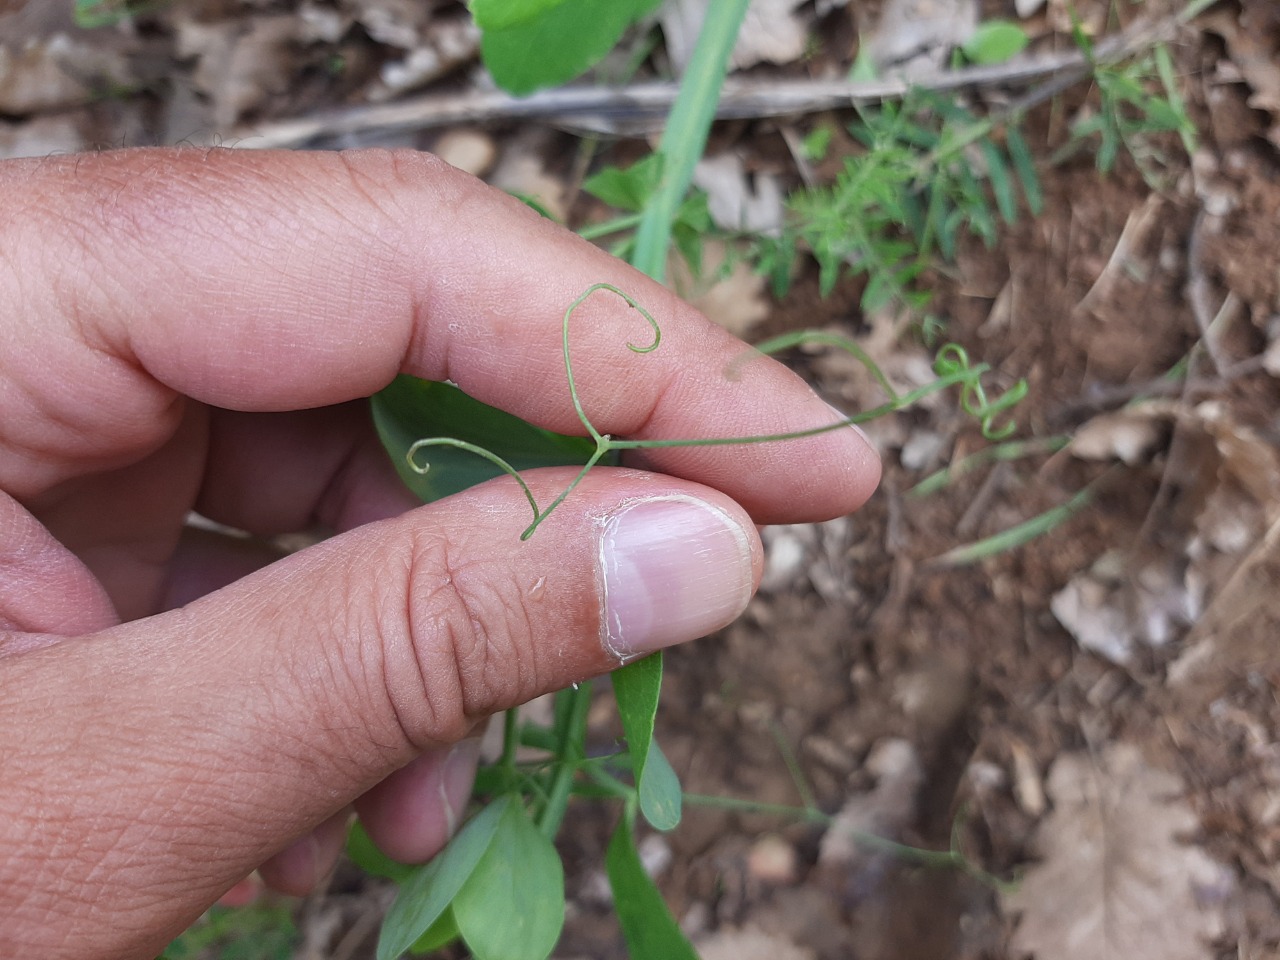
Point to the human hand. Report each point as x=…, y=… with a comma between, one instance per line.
x=191, y=330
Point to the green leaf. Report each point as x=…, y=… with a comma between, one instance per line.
x=496, y=14
x=685, y=136
x=362, y=852
x=628, y=189
x=259, y=931
x=650, y=930
x=995, y=42
x=557, y=42
x=661, y=800
x=864, y=66
x=1025, y=166
x=512, y=905
x=425, y=896
x=409, y=410
x=440, y=934
x=1001, y=181
x=637, y=687
x=817, y=142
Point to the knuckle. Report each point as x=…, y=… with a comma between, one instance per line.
x=469, y=636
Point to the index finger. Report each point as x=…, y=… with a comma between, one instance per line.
x=272, y=281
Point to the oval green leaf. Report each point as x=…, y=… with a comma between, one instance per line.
x=995, y=42
x=409, y=410
x=559, y=43
x=425, y=895
x=637, y=687
x=661, y=801
x=497, y=14
x=512, y=905
x=362, y=852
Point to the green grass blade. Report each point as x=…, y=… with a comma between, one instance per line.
x=650, y=930
x=1025, y=166
x=1017, y=535
x=1001, y=181
x=685, y=135
x=1011, y=450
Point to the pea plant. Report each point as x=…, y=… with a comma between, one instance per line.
x=499, y=884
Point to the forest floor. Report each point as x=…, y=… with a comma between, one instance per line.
x=1090, y=718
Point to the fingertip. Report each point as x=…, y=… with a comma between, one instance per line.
x=302, y=866
x=412, y=814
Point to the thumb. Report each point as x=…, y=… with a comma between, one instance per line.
x=148, y=770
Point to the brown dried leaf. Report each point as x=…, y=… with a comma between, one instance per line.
x=239, y=63
x=58, y=72
x=736, y=301
x=1253, y=44
x=1116, y=880
x=771, y=32
x=919, y=35
x=750, y=943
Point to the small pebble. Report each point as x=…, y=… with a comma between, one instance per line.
x=773, y=860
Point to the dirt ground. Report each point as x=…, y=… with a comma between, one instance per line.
x=1093, y=715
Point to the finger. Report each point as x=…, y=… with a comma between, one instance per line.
x=412, y=813
x=299, y=280
x=207, y=560
x=237, y=724
x=44, y=587
x=278, y=473
x=301, y=867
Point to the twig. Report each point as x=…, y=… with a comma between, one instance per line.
x=973, y=514
x=1110, y=398
x=1211, y=322
x=1132, y=237
x=641, y=108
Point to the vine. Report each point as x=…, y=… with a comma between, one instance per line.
x=952, y=365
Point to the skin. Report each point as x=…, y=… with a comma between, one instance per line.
x=192, y=330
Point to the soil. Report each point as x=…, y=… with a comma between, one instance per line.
x=929, y=703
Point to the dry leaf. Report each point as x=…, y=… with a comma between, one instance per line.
x=771, y=32
x=1129, y=436
x=43, y=136
x=1228, y=495
x=446, y=44
x=239, y=63
x=58, y=72
x=1110, y=608
x=735, y=201
x=736, y=300
x=919, y=35
x=750, y=943
x=1117, y=881
x=1253, y=43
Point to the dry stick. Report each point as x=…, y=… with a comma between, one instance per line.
x=641, y=108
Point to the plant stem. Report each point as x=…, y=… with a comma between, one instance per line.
x=568, y=757
x=1012, y=450
x=686, y=132
x=952, y=859
x=594, y=231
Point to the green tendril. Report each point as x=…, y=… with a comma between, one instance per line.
x=952, y=366
x=953, y=358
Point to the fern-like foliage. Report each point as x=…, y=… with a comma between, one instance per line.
x=931, y=173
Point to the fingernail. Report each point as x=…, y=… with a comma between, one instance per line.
x=673, y=569
x=456, y=780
